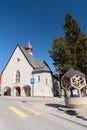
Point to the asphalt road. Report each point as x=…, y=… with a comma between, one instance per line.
x=31, y=114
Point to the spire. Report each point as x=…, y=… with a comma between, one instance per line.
x=29, y=48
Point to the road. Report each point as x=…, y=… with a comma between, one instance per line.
x=29, y=114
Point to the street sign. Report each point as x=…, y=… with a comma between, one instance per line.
x=32, y=81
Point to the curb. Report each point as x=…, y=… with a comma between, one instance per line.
x=71, y=118
x=76, y=122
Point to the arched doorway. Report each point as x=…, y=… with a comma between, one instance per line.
x=18, y=92
x=7, y=91
x=27, y=90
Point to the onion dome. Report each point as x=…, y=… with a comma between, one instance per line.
x=29, y=48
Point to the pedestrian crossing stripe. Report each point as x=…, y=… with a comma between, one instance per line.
x=18, y=112
x=31, y=110
x=5, y=113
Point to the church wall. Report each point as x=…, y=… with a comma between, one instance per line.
x=19, y=63
x=22, y=66
x=44, y=86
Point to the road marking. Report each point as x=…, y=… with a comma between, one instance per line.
x=5, y=113
x=31, y=110
x=46, y=102
x=18, y=112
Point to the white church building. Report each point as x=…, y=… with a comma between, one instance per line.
x=23, y=75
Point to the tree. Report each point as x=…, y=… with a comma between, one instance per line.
x=73, y=32
x=73, y=35
x=70, y=51
x=82, y=55
x=60, y=55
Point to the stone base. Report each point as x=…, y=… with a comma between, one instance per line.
x=76, y=102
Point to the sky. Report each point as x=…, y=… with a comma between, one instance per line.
x=40, y=21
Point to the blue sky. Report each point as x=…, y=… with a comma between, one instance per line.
x=39, y=21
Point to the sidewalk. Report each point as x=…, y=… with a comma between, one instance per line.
x=78, y=116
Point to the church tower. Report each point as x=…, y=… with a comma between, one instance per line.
x=29, y=48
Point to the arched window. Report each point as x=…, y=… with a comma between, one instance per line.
x=17, y=77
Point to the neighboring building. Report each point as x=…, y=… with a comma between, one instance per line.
x=26, y=76
x=56, y=86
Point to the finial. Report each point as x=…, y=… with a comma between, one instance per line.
x=29, y=47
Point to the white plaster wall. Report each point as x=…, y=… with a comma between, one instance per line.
x=42, y=88
x=13, y=66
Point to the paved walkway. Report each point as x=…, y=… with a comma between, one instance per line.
x=78, y=116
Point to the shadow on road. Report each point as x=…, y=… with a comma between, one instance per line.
x=52, y=105
x=68, y=111
x=77, y=115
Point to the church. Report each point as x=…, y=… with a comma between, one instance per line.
x=24, y=75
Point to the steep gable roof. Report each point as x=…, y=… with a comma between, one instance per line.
x=38, y=66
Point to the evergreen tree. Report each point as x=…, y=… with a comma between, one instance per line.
x=60, y=55
x=73, y=32
x=70, y=51
x=73, y=35
x=82, y=55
